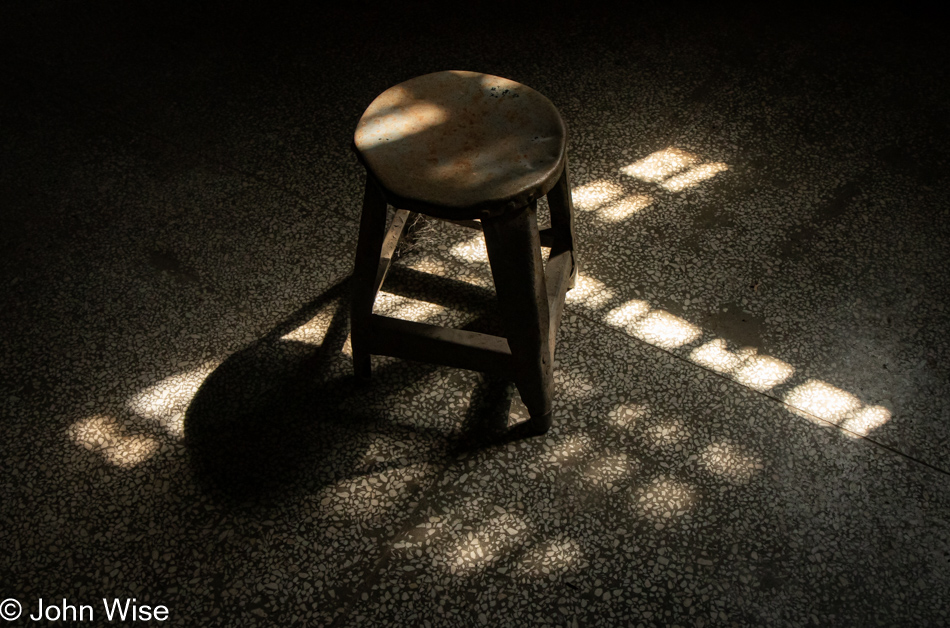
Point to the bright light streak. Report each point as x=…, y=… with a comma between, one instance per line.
x=715, y=356
x=624, y=316
x=104, y=435
x=867, y=419
x=624, y=208
x=664, y=330
x=658, y=327
x=589, y=293
x=472, y=250
x=399, y=121
x=432, y=265
x=694, y=176
x=165, y=403
x=397, y=306
x=593, y=195
x=763, y=373
x=659, y=165
x=822, y=400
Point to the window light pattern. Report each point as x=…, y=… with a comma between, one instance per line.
x=113, y=441
x=659, y=165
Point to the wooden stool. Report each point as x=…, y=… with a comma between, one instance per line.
x=478, y=150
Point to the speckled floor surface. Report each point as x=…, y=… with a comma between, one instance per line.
x=752, y=416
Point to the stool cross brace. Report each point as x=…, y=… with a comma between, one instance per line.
x=530, y=297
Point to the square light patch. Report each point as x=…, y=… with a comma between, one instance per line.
x=664, y=330
x=822, y=400
x=694, y=176
x=715, y=356
x=593, y=195
x=589, y=292
x=624, y=208
x=763, y=373
x=660, y=165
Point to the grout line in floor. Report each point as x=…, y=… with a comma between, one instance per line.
x=816, y=419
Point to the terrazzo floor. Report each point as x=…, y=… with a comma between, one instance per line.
x=751, y=422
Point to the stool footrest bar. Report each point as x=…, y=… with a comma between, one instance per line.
x=458, y=348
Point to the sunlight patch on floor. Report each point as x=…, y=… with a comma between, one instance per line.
x=672, y=168
x=657, y=327
x=715, y=356
x=104, y=435
x=472, y=250
x=568, y=450
x=664, y=330
x=819, y=399
x=405, y=308
x=693, y=176
x=728, y=461
x=763, y=373
x=313, y=331
x=624, y=208
x=822, y=400
x=624, y=316
x=166, y=402
x=659, y=165
x=745, y=365
x=589, y=293
x=594, y=195
x=663, y=499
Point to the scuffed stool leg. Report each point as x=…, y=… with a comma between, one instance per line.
x=368, y=248
x=514, y=251
x=562, y=219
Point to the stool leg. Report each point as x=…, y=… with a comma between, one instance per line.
x=562, y=219
x=368, y=249
x=514, y=252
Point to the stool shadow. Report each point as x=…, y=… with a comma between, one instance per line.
x=282, y=418
x=444, y=291
x=251, y=428
x=450, y=294
x=486, y=422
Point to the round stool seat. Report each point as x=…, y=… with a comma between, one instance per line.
x=462, y=145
